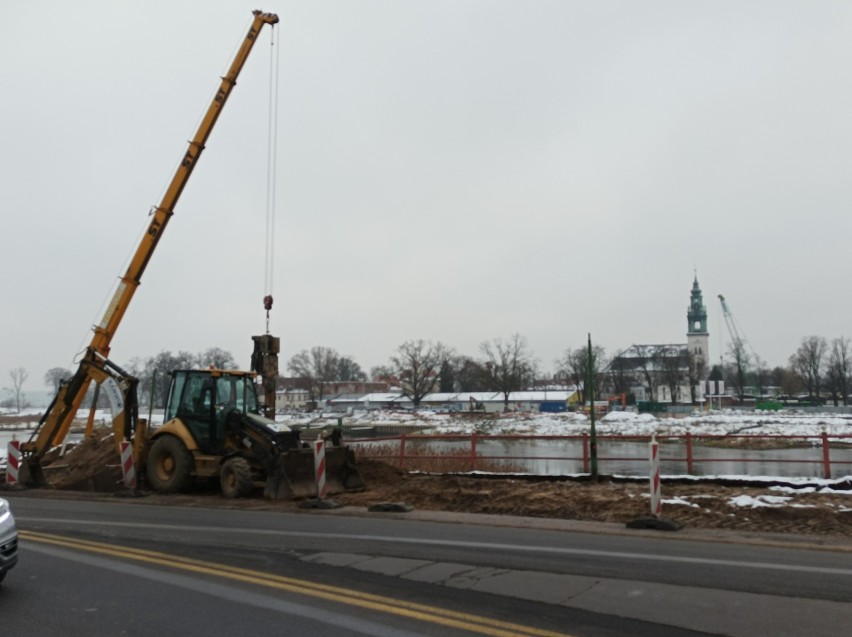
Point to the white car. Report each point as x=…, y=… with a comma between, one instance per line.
x=8, y=539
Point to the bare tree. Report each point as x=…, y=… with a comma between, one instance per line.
x=447, y=377
x=839, y=370
x=619, y=374
x=382, y=373
x=573, y=367
x=697, y=368
x=348, y=369
x=55, y=375
x=761, y=375
x=509, y=365
x=808, y=363
x=155, y=374
x=19, y=376
x=736, y=371
x=417, y=365
x=315, y=367
x=218, y=358
x=469, y=375
x=671, y=361
x=644, y=362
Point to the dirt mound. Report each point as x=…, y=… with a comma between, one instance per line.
x=703, y=505
x=91, y=465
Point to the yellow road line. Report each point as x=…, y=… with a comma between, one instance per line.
x=411, y=610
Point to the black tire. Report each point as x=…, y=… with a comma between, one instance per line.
x=169, y=466
x=2, y=575
x=235, y=478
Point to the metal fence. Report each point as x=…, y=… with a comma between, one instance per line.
x=690, y=454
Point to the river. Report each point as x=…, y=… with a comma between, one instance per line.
x=630, y=458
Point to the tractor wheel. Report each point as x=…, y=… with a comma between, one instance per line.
x=169, y=465
x=235, y=478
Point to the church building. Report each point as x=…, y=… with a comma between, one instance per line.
x=666, y=373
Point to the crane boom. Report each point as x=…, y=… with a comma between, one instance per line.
x=732, y=326
x=741, y=345
x=746, y=361
x=94, y=364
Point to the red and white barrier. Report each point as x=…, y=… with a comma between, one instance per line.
x=319, y=467
x=13, y=461
x=128, y=469
x=656, y=502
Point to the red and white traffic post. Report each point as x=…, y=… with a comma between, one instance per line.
x=319, y=466
x=656, y=502
x=128, y=469
x=13, y=461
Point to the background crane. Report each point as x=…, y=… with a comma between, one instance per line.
x=741, y=352
x=746, y=362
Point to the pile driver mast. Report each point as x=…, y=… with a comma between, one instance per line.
x=95, y=365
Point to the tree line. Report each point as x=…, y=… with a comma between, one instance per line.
x=819, y=368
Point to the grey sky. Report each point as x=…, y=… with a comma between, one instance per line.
x=451, y=170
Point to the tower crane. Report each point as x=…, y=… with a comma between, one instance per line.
x=744, y=358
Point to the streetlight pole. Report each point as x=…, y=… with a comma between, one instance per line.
x=590, y=392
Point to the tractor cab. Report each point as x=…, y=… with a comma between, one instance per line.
x=203, y=400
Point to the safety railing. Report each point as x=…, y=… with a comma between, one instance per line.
x=690, y=454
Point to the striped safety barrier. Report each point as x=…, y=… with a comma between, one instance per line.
x=13, y=461
x=656, y=502
x=128, y=469
x=319, y=467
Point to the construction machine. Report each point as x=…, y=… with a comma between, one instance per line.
x=206, y=448
x=213, y=428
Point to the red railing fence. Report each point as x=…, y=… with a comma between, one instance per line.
x=406, y=449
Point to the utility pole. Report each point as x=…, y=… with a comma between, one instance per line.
x=590, y=392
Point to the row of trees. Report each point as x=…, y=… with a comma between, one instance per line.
x=820, y=368
x=422, y=367
x=153, y=372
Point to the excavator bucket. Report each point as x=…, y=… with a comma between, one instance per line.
x=293, y=475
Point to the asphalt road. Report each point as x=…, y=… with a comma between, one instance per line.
x=106, y=568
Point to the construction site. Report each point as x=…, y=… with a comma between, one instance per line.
x=219, y=445
x=217, y=426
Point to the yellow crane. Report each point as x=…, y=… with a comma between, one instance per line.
x=95, y=366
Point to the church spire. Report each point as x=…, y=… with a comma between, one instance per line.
x=696, y=315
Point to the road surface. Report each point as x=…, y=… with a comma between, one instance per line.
x=117, y=567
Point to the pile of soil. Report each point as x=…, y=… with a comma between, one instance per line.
x=695, y=505
x=93, y=466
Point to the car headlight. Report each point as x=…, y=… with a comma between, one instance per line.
x=4, y=509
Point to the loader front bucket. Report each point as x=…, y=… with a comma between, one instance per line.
x=293, y=475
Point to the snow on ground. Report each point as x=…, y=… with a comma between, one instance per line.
x=633, y=424
x=623, y=423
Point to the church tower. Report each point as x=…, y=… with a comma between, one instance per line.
x=697, y=337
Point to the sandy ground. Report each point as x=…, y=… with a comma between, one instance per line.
x=92, y=468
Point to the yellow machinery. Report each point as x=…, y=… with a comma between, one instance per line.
x=95, y=366
x=214, y=429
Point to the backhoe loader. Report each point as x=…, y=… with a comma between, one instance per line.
x=213, y=428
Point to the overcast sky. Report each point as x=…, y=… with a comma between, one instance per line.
x=451, y=170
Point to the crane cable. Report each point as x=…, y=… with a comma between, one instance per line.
x=271, y=161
